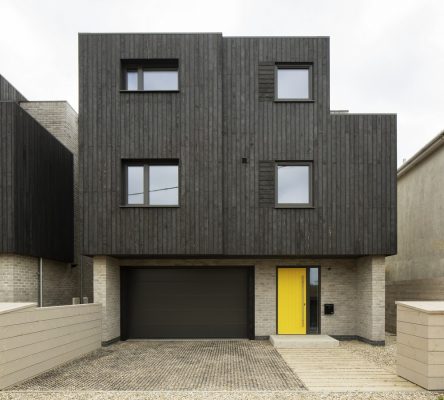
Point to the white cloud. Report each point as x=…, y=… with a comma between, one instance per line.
x=386, y=56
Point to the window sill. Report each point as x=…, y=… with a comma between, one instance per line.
x=307, y=206
x=294, y=101
x=149, y=91
x=146, y=206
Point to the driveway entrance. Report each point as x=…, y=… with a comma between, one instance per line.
x=200, y=365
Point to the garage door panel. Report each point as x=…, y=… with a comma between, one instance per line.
x=186, y=303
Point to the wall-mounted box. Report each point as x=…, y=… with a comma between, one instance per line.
x=329, y=309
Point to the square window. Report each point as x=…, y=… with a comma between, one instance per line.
x=151, y=183
x=293, y=83
x=293, y=185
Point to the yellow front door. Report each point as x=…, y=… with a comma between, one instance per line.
x=291, y=301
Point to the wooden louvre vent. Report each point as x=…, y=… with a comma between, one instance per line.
x=266, y=81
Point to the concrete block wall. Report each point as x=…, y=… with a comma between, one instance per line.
x=107, y=293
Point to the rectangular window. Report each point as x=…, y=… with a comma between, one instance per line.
x=160, y=80
x=132, y=80
x=152, y=75
x=313, y=295
x=293, y=184
x=293, y=82
x=151, y=183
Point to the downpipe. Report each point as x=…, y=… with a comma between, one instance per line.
x=41, y=282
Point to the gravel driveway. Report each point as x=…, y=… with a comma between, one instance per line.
x=267, y=378
x=213, y=365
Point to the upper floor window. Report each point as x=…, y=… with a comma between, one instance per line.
x=153, y=75
x=149, y=183
x=293, y=184
x=293, y=82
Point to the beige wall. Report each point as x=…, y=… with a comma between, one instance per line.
x=419, y=264
x=339, y=285
x=34, y=340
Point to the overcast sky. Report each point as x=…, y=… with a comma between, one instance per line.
x=386, y=56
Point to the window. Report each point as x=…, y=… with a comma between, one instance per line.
x=293, y=186
x=151, y=184
x=293, y=83
x=313, y=295
x=155, y=75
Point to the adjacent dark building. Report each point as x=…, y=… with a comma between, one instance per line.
x=221, y=197
x=39, y=256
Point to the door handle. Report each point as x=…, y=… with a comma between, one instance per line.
x=302, y=300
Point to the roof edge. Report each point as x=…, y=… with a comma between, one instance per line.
x=422, y=154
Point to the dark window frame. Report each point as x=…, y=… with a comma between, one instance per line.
x=146, y=164
x=308, y=66
x=148, y=65
x=310, y=184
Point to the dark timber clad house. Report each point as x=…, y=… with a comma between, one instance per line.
x=221, y=197
x=39, y=245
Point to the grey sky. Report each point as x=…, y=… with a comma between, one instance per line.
x=386, y=56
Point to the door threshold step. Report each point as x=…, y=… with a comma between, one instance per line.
x=303, y=341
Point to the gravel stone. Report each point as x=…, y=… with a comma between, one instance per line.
x=250, y=371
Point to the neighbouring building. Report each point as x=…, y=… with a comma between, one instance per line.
x=417, y=271
x=220, y=196
x=39, y=207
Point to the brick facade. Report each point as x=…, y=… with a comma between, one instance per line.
x=354, y=286
x=107, y=293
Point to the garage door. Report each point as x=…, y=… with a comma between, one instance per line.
x=187, y=303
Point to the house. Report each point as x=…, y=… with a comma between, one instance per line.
x=220, y=195
x=39, y=212
x=417, y=271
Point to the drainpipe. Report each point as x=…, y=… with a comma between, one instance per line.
x=41, y=282
x=81, y=279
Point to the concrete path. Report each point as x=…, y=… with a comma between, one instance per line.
x=340, y=370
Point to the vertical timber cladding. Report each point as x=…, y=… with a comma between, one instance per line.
x=354, y=159
x=36, y=188
x=186, y=125
x=222, y=115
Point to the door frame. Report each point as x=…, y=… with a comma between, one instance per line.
x=251, y=290
x=307, y=296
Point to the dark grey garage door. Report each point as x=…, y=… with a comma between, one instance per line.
x=187, y=303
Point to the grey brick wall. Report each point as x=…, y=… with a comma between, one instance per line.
x=107, y=293
x=354, y=286
x=371, y=298
x=338, y=286
x=18, y=278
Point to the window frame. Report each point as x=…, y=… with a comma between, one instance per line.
x=308, y=66
x=308, y=164
x=146, y=65
x=146, y=164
